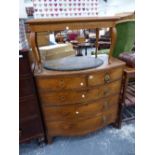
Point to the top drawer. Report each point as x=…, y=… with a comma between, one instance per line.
x=78, y=82
x=105, y=77
x=60, y=83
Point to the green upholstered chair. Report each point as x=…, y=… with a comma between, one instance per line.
x=125, y=37
x=124, y=43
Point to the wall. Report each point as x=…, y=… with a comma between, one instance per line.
x=115, y=6
x=22, y=12
x=105, y=9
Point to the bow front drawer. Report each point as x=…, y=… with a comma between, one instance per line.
x=110, y=89
x=80, y=111
x=104, y=77
x=81, y=127
x=83, y=96
x=68, y=97
x=57, y=83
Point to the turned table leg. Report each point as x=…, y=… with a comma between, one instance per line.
x=35, y=50
x=97, y=39
x=113, y=33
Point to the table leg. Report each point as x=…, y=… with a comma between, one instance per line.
x=113, y=33
x=85, y=50
x=97, y=39
x=35, y=50
x=79, y=52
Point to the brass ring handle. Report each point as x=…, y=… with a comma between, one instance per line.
x=107, y=78
x=104, y=119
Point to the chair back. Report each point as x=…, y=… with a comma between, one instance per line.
x=125, y=37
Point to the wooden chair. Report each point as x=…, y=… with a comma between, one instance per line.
x=124, y=43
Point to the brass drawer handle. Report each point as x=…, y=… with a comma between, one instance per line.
x=104, y=119
x=107, y=78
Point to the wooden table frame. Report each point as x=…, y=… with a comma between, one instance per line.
x=44, y=25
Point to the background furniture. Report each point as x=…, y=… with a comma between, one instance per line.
x=52, y=52
x=124, y=43
x=30, y=122
x=85, y=46
x=125, y=37
x=80, y=44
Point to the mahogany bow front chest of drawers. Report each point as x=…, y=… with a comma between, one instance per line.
x=78, y=102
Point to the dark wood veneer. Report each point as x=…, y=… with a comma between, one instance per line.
x=30, y=122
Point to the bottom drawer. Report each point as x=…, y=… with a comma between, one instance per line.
x=30, y=129
x=65, y=128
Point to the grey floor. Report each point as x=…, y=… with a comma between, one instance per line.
x=107, y=141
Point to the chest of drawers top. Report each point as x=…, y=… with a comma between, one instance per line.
x=48, y=73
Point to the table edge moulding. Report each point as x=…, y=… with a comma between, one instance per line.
x=74, y=103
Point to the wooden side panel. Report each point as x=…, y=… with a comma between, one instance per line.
x=27, y=107
x=26, y=86
x=30, y=129
x=30, y=122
